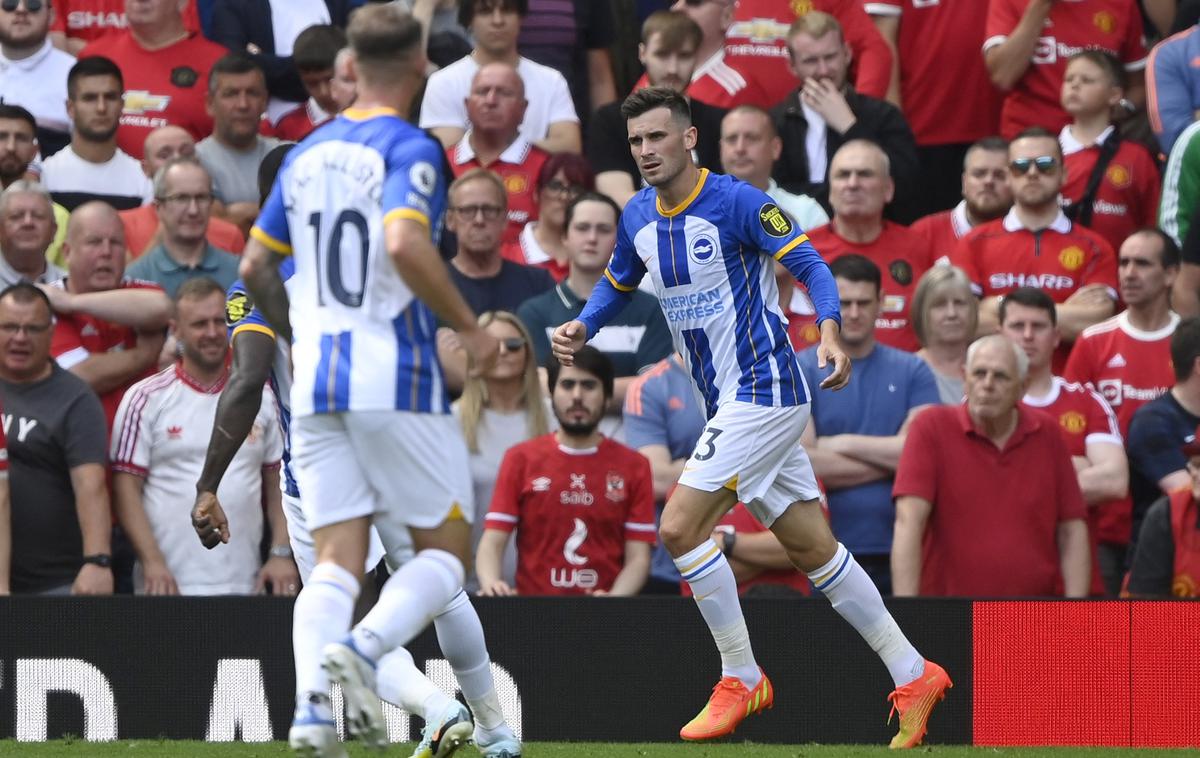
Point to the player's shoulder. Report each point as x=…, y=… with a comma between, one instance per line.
x=620, y=454
x=1098, y=331
x=926, y=224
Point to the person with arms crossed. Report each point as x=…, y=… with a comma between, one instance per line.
x=705, y=241
x=366, y=379
x=586, y=533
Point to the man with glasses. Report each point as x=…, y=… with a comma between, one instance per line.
x=183, y=197
x=496, y=105
x=487, y=280
x=92, y=167
x=1035, y=245
x=33, y=73
x=57, y=459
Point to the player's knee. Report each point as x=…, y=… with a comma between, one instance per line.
x=678, y=535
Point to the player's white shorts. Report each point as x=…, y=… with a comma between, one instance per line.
x=304, y=551
x=756, y=450
x=405, y=469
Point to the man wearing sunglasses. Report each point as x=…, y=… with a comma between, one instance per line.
x=33, y=73
x=1036, y=245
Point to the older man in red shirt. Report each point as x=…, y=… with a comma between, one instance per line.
x=987, y=500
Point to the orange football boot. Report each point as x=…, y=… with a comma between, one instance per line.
x=914, y=701
x=728, y=706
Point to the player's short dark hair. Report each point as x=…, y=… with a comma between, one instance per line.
x=317, y=47
x=1107, y=63
x=198, y=288
x=576, y=168
x=587, y=359
x=93, y=65
x=649, y=98
x=1185, y=347
x=269, y=168
x=233, y=63
x=24, y=293
x=17, y=113
x=467, y=9
x=675, y=29
x=857, y=268
x=1030, y=297
x=1169, y=254
x=992, y=144
x=591, y=197
x=1040, y=132
x=385, y=39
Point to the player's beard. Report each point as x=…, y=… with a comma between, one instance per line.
x=97, y=135
x=989, y=211
x=578, y=428
x=11, y=170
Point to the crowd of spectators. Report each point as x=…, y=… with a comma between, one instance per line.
x=1005, y=192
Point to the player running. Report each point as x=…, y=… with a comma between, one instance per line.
x=356, y=206
x=707, y=241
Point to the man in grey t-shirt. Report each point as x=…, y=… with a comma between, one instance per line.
x=57, y=435
x=237, y=99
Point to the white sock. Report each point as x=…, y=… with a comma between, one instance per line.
x=401, y=683
x=715, y=590
x=321, y=615
x=460, y=636
x=421, y=588
x=857, y=599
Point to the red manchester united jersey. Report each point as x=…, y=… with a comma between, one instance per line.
x=721, y=84
x=165, y=86
x=78, y=336
x=573, y=511
x=943, y=230
x=92, y=19
x=757, y=44
x=1002, y=255
x=902, y=257
x=1127, y=366
x=1114, y=26
x=1127, y=198
x=519, y=166
x=937, y=37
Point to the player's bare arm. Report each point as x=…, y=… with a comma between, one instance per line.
x=566, y=340
x=417, y=261
x=260, y=272
x=253, y=353
x=830, y=351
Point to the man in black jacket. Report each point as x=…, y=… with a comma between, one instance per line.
x=824, y=113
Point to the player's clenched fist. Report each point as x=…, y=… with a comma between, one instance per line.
x=482, y=350
x=209, y=521
x=567, y=339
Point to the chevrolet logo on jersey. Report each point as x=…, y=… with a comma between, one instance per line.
x=139, y=101
x=760, y=29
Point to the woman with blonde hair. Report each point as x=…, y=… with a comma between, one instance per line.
x=945, y=314
x=499, y=409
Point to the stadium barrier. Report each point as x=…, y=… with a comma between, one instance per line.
x=1112, y=673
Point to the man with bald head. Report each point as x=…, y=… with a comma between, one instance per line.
x=110, y=329
x=141, y=224
x=987, y=500
x=496, y=105
x=27, y=227
x=860, y=185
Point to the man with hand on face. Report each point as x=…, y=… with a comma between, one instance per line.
x=586, y=525
x=986, y=196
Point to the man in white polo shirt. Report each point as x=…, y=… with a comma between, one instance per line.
x=33, y=73
x=158, y=445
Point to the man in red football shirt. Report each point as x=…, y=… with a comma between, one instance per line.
x=583, y=505
x=986, y=196
x=78, y=22
x=717, y=81
x=860, y=186
x=110, y=330
x=314, y=55
x=1028, y=44
x=931, y=39
x=1087, y=425
x=1036, y=245
x=165, y=68
x=496, y=106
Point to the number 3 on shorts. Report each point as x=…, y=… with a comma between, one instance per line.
x=707, y=447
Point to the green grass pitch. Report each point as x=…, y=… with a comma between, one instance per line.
x=170, y=749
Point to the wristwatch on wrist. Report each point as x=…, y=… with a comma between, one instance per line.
x=280, y=551
x=103, y=560
x=730, y=541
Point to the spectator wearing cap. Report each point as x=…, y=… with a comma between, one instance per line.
x=496, y=105
x=237, y=98
x=27, y=227
x=183, y=196
x=550, y=120
x=142, y=230
x=165, y=67
x=965, y=526
x=1167, y=560
x=93, y=166
x=314, y=56
x=33, y=73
